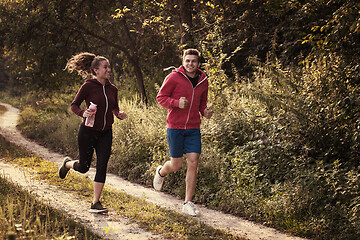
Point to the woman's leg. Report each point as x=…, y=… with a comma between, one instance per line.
x=98, y=187
x=86, y=139
x=86, y=142
x=103, y=151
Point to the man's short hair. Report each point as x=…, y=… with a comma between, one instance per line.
x=192, y=51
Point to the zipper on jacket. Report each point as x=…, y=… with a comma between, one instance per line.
x=192, y=97
x=106, y=108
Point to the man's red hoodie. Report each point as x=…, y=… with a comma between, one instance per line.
x=177, y=85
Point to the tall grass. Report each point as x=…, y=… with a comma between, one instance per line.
x=49, y=120
x=24, y=217
x=281, y=148
x=139, y=141
x=2, y=109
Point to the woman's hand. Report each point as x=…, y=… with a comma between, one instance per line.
x=122, y=115
x=88, y=113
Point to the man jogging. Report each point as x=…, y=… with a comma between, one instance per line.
x=184, y=93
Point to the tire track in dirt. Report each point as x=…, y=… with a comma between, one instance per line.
x=235, y=225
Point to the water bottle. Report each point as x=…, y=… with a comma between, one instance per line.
x=89, y=122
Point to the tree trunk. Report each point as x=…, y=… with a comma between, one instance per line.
x=139, y=78
x=135, y=62
x=186, y=23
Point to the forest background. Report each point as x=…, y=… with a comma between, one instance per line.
x=283, y=145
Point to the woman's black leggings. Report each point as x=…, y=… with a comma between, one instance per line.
x=88, y=141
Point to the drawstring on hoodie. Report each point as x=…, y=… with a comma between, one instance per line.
x=169, y=68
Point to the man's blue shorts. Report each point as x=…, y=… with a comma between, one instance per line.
x=183, y=141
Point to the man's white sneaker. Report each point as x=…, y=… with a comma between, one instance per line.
x=158, y=180
x=190, y=209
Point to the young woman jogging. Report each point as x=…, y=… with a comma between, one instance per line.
x=100, y=91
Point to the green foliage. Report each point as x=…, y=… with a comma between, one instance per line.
x=41, y=35
x=284, y=145
x=310, y=145
x=290, y=30
x=139, y=141
x=42, y=118
x=320, y=102
x=281, y=148
x=339, y=32
x=34, y=45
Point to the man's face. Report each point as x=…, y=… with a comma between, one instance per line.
x=191, y=64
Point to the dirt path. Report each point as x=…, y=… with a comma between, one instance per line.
x=121, y=228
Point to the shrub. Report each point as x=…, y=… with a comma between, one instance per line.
x=139, y=141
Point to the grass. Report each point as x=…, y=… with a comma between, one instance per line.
x=24, y=217
x=169, y=224
x=2, y=109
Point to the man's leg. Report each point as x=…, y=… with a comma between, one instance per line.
x=175, y=139
x=161, y=171
x=191, y=175
x=171, y=166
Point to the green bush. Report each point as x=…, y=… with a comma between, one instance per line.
x=139, y=142
x=54, y=130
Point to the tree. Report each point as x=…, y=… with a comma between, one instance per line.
x=50, y=32
x=186, y=26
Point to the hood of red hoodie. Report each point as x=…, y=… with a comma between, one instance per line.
x=181, y=70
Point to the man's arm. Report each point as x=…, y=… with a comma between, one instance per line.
x=164, y=96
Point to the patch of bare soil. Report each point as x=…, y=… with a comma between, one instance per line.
x=115, y=226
